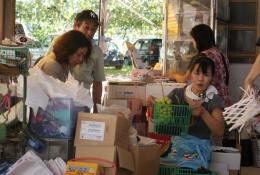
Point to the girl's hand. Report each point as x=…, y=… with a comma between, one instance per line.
x=198, y=110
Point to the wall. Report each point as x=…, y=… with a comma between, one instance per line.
x=237, y=77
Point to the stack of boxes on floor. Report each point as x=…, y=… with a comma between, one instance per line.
x=131, y=95
x=104, y=139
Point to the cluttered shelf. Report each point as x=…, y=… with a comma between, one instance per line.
x=13, y=63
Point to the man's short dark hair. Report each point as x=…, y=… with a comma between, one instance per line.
x=87, y=15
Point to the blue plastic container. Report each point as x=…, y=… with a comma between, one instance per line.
x=57, y=121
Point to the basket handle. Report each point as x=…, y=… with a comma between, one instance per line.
x=97, y=159
x=162, y=88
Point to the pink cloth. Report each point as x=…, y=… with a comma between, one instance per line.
x=219, y=80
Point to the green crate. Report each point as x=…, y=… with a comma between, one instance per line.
x=173, y=170
x=171, y=119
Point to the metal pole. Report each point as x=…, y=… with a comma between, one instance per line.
x=24, y=98
x=165, y=35
x=99, y=14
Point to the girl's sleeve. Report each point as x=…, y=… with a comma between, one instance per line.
x=216, y=102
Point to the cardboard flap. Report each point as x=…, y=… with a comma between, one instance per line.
x=146, y=158
x=125, y=159
x=102, y=152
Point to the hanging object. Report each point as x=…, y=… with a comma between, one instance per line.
x=243, y=111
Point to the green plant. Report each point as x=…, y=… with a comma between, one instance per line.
x=113, y=72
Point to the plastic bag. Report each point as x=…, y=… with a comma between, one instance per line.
x=189, y=151
x=41, y=87
x=29, y=164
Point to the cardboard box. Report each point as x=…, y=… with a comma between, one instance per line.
x=219, y=168
x=102, y=129
x=62, y=148
x=83, y=168
x=146, y=158
x=119, y=156
x=120, y=102
x=231, y=159
x=126, y=90
x=159, y=90
x=135, y=105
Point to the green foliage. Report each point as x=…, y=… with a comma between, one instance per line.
x=113, y=72
x=43, y=18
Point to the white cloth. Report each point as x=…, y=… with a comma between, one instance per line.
x=209, y=94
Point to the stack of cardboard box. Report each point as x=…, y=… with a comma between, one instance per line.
x=104, y=139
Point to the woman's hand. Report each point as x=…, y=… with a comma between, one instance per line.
x=150, y=100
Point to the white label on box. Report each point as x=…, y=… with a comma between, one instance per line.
x=90, y=130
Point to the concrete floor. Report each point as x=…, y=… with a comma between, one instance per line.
x=247, y=171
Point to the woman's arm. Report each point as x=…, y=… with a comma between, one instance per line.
x=254, y=72
x=180, y=78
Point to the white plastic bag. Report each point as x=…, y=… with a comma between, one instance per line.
x=29, y=164
x=41, y=87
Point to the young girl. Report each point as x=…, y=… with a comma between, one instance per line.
x=194, y=150
x=207, y=106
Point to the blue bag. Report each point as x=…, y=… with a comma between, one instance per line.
x=189, y=151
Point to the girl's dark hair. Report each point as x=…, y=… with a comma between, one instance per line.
x=204, y=63
x=203, y=36
x=69, y=43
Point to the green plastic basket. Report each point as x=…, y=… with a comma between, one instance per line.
x=171, y=119
x=173, y=170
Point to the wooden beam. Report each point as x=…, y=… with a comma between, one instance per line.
x=1, y=20
x=9, y=18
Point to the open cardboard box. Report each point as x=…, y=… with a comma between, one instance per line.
x=102, y=130
x=231, y=159
x=127, y=90
x=121, y=157
x=146, y=158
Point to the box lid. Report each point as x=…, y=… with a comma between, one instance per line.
x=120, y=156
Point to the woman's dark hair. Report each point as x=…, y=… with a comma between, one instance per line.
x=258, y=42
x=203, y=36
x=69, y=43
x=204, y=63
